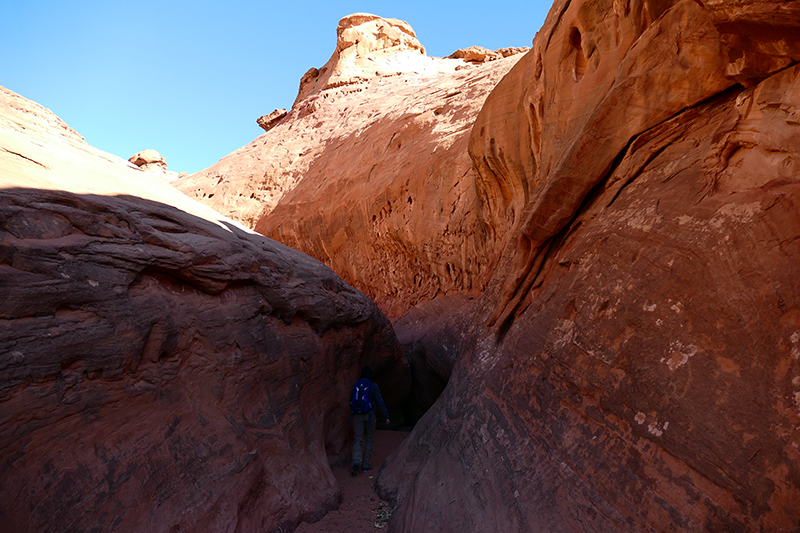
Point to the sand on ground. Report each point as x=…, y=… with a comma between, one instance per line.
x=359, y=504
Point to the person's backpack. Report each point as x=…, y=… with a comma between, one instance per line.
x=359, y=397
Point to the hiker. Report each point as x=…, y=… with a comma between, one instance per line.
x=366, y=395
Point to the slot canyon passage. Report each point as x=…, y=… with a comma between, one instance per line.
x=575, y=269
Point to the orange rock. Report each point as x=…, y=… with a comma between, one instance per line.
x=634, y=364
x=366, y=46
x=369, y=171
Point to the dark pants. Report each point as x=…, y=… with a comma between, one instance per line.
x=364, y=425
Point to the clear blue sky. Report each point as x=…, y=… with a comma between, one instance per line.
x=189, y=78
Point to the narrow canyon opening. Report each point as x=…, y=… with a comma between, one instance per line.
x=431, y=335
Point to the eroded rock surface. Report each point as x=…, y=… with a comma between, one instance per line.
x=366, y=46
x=161, y=367
x=369, y=172
x=149, y=160
x=479, y=54
x=475, y=54
x=635, y=363
x=267, y=122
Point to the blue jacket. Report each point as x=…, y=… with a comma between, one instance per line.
x=377, y=399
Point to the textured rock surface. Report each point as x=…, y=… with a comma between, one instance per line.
x=618, y=75
x=366, y=46
x=149, y=160
x=267, y=122
x=635, y=363
x=475, y=54
x=162, y=369
x=373, y=177
x=512, y=50
x=479, y=54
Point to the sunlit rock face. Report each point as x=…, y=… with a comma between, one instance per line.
x=149, y=160
x=367, y=46
x=369, y=172
x=634, y=364
x=161, y=367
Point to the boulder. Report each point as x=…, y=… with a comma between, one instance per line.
x=267, y=122
x=634, y=364
x=479, y=54
x=512, y=50
x=476, y=54
x=149, y=160
x=162, y=368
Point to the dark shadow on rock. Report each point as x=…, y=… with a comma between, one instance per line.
x=158, y=370
x=432, y=335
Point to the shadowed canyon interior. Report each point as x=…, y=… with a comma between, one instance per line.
x=575, y=269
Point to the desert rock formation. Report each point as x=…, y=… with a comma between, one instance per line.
x=479, y=54
x=369, y=171
x=634, y=365
x=430, y=335
x=161, y=367
x=149, y=160
x=475, y=54
x=627, y=226
x=267, y=122
x=366, y=46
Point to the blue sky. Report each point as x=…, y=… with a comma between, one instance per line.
x=189, y=79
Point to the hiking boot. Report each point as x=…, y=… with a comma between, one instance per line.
x=354, y=473
x=366, y=469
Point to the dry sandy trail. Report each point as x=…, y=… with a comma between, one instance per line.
x=356, y=512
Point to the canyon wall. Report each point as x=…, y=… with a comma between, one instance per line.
x=161, y=367
x=369, y=171
x=634, y=364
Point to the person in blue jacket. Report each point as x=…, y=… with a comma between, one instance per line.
x=364, y=423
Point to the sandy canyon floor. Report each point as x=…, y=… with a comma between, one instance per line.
x=359, y=509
